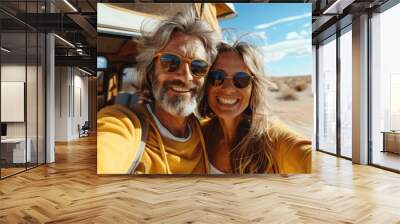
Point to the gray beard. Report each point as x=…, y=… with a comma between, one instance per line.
x=181, y=106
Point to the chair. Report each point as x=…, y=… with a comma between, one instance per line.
x=84, y=130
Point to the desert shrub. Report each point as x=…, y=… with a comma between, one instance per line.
x=291, y=82
x=299, y=87
x=287, y=94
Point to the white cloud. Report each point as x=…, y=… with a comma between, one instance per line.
x=293, y=36
x=296, y=47
x=306, y=24
x=297, y=35
x=296, y=44
x=261, y=34
x=304, y=33
x=283, y=20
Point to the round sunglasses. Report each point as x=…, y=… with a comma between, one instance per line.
x=240, y=79
x=171, y=62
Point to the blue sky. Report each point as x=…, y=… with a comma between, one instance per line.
x=281, y=31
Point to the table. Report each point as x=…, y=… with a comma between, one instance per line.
x=13, y=150
x=391, y=141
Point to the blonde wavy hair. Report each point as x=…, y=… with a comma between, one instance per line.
x=151, y=42
x=252, y=151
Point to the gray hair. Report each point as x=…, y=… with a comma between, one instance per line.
x=150, y=43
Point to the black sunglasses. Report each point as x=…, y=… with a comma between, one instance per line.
x=240, y=79
x=171, y=62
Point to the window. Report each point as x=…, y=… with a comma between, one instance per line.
x=327, y=96
x=22, y=74
x=129, y=80
x=102, y=62
x=385, y=89
x=346, y=92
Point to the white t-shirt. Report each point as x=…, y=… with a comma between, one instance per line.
x=164, y=131
x=214, y=170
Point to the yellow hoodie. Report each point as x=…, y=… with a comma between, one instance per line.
x=291, y=152
x=118, y=138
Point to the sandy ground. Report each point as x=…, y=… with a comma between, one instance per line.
x=296, y=113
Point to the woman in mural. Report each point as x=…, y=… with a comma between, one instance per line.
x=239, y=134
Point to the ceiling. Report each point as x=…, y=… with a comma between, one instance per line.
x=328, y=16
x=79, y=27
x=72, y=20
x=22, y=48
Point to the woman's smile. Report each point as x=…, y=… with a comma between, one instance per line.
x=227, y=100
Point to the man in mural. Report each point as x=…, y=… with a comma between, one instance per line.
x=163, y=136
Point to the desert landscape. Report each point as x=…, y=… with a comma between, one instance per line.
x=292, y=102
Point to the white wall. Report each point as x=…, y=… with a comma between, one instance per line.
x=33, y=127
x=71, y=94
x=61, y=103
x=81, y=84
x=14, y=72
x=17, y=72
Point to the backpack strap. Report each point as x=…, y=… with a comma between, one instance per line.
x=139, y=153
x=130, y=100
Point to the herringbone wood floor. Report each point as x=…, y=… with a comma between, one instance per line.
x=69, y=191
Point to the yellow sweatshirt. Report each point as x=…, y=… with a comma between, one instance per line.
x=292, y=153
x=118, y=139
